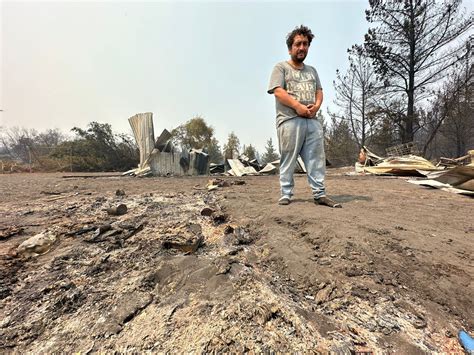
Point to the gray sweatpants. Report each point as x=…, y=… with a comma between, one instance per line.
x=304, y=137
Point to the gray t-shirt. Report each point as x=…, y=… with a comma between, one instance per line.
x=301, y=84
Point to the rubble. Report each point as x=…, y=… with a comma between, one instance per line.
x=187, y=270
x=238, y=169
x=459, y=180
x=160, y=158
x=457, y=177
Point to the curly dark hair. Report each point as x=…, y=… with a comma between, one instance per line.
x=302, y=30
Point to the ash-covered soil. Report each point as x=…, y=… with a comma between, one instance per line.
x=187, y=269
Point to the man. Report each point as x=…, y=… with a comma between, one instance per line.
x=298, y=96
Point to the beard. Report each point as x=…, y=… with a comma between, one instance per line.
x=298, y=58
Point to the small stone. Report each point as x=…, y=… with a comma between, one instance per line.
x=120, y=192
x=206, y=211
x=118, y=210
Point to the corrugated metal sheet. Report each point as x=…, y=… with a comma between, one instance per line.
x=194, y=163
x=269, y=169
x=166, y=164
x=239, y=169
x=142, y=126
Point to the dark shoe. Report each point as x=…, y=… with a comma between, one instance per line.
x=284, y=201
x=326, y=201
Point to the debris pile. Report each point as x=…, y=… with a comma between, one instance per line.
x=243, y=166
x=406, y=165
x=459, y=180
x=160, y=157
x=452, y=175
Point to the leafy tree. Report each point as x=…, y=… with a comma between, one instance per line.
x=214, y=151
x=270, y=153
x=342, y=147
x=232, y=147
x=98, y=149
x=250, y=151
x=195, y=133
x=412, y=46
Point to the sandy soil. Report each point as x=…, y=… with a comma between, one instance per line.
x=389, y=272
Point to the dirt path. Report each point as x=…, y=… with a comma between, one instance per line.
x=389, y=272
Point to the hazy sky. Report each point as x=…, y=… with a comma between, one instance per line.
x=65, y=64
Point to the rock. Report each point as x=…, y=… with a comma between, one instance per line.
x=118, y=210
x=120, y=193
x=37, y=245
x=206, y=211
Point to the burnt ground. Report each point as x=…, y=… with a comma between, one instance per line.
x=389, y=272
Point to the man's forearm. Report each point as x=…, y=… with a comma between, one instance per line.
x=286, y=99
x=289, y=101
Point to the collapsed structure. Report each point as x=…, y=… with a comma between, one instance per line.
x=244, y=166
x=453, y=175
x=160, y=157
